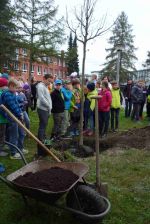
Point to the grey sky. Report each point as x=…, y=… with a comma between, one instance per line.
x=138, y=16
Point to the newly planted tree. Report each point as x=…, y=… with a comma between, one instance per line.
x=85, y=30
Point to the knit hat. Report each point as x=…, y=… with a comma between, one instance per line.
x=67, y=81
x=26, y=87
x=3, y=82
x=91, y=86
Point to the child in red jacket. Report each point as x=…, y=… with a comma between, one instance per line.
x=104, y=109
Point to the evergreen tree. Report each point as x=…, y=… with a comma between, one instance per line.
x=121, y=35
x=8, y=33
x=76, y=59
x=39, y=28
x=72, y=55
x=147, y=62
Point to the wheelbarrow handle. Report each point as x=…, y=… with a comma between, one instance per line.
x=18, y=150
x=8, y=183
x=29, y=132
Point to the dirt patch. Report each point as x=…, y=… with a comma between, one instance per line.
x=138, y=138
x=54, y=179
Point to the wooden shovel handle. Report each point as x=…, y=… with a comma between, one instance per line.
x=29, y=132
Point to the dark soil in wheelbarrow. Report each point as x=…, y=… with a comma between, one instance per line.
x=54, y=179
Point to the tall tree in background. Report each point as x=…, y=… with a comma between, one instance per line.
x=147, y=62
x=72, y=55
x=86, y=28
x=75, y=53
x=38, y=26
x=121, y=36
x=8, y=33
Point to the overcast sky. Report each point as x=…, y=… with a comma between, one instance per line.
x=138, y=12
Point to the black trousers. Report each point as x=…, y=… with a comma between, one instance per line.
x=115, y=118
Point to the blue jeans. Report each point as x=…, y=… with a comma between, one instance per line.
x=12, y=132
x=21, y=136
x=26, y=120
x=91, y=121
x=128, y=107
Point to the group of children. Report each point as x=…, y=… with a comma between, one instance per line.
x=63, y=100
x=12, y=96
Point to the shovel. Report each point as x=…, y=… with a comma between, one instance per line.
x=29, y=133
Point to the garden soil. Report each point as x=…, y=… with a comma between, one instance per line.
x=54, y=179
x=138, y=138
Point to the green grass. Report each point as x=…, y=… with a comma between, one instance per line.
x=126, y=172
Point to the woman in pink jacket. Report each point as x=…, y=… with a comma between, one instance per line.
x=104, y=109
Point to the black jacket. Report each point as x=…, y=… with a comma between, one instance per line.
x=58, y=104
x=127, y=91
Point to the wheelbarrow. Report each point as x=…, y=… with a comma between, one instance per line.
x=87, y=205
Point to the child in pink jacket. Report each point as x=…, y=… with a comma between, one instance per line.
x=104, y=109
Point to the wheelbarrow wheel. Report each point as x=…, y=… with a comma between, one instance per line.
x=90, y=202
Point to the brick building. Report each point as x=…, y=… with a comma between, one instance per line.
x=53, y=65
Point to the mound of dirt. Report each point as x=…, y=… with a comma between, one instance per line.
x=138, y=138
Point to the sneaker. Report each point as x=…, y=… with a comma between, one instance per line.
x=2, y=168
x=72, y=133
x=3, y=154
x=16, y=156
x=66, y=136
x=77, y=133
x=25, y=151
x=90, y=133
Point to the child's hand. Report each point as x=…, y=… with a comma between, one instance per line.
x=75, y=107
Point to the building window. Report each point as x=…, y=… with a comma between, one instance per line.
x=39, y=70
x=17, y=51
x=16, y=66
x=24, y=51
x=24, y=67
x=45, y=71
x=32, y=68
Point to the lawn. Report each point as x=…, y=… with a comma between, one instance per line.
x=127, y=173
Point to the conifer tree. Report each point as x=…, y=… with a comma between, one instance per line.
x=121, y=35
x=8, y=33
x=72, y=55
x=40, y=29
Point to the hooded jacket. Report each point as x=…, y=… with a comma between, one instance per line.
x=105, y=102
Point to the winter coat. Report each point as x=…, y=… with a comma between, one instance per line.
x=116, y=98
x=127, y=91
x=9, y=100
x=105, y=102
x=57, y=101
x=44, y=101
x=137, y=94
x=67, y=97
x=3, y=120
x=76, y=99
x=22, y=100
x=92, y=101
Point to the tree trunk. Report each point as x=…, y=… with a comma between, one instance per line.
x=82, y=95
